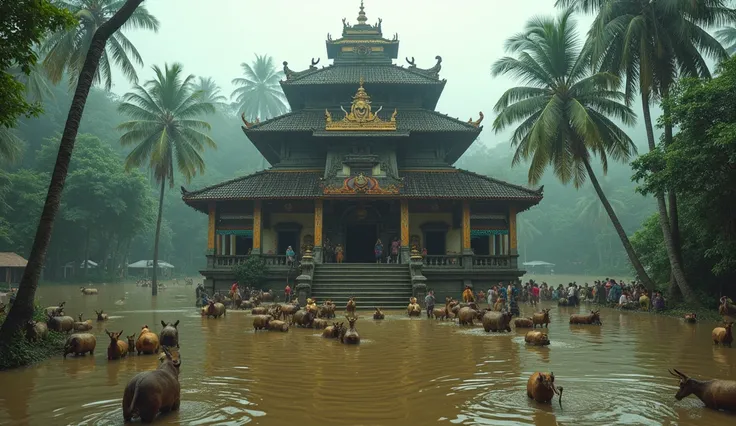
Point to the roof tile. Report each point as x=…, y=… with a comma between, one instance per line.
x=351, y=74
x=452, y=183
x=412, y=120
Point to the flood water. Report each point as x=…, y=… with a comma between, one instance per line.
x=405, y=371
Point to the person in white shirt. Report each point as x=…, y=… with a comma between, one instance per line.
x=623, y=300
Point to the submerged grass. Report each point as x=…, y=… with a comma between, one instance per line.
x=20, y=352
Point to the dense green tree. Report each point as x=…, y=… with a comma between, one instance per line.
x=259, y=95
x=66, y=50
x=700, y=164
x=563, y=111
x=23, y=23
x=166, y=132
x=650, y=43
x=23, y=308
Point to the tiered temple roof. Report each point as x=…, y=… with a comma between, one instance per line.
x=403, y=116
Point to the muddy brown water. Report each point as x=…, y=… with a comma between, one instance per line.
x=405, y=371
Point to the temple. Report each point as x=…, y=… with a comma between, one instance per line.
x=363, y=156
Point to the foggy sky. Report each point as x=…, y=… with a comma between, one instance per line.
x=212, y=37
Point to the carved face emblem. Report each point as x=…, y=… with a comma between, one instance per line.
x=361, y=110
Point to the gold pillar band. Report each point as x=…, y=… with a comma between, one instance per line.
x=257, y=225
x=466, y=224
x=318, y=208
x=405, y=223
x=211, y=227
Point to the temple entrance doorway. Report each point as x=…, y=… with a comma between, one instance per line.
x=360, y=240
x=286, y=239
x=435, y=243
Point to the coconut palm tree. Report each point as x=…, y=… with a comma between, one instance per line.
x=210, y=92
x=65, y=50
x=527, y=232
x=727, y=36
x=166, y=132
x=23, y=308
x=591, y=210
x=11, y=146
x=563, y=111
x=259, y=94
x=650, y=44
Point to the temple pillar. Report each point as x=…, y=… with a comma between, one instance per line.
x=513, y=249
x=318, y=211
x=232, y=245
x=467, y=252
x=257, y=228
x=211, y=235
x=405, y=254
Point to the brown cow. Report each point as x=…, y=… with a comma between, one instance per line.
x=36, y=330
x=536, y=338
x=147, y=342
x=333, y=331
x=541, y=318
x=278, y=325
x=496, y=321
x=80, y=343
x=715, y=394
x=723, y=335
x=101, y=316
x=215, y=310
x=692, y=318
x=151, y=392
x=467, y=314
x=260, y=322
x=524, y=323
x=60, y=323
x=541, y=387
x=594, y=318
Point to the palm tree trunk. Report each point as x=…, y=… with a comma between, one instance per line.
x=640, y=271
x=22, y=309
x=675, y=264
x=671, y=195
x=154, y=285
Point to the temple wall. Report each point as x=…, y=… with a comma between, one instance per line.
x=453, y=239
x=270, y=236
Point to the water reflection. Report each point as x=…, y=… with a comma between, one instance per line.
x=406, y=371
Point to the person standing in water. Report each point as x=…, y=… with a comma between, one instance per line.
x=378, y=250
x=429, y=303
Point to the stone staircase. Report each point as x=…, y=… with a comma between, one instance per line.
x=384, y=285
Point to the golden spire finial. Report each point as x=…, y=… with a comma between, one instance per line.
x=362, y=19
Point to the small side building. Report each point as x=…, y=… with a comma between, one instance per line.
x=11, y=267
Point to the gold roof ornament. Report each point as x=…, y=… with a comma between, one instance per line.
x=247, y=123
x=361, y=116
x=477, y=122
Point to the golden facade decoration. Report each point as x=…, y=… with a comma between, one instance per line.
x=404, y=223
x=466, y=225
x=361, y=116
x=477, y=122
x=318, y=211
x=257, y=225
x=361, y=184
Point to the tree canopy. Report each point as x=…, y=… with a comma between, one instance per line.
x=23, y=24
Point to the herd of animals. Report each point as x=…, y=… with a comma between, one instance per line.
x=158, y=391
